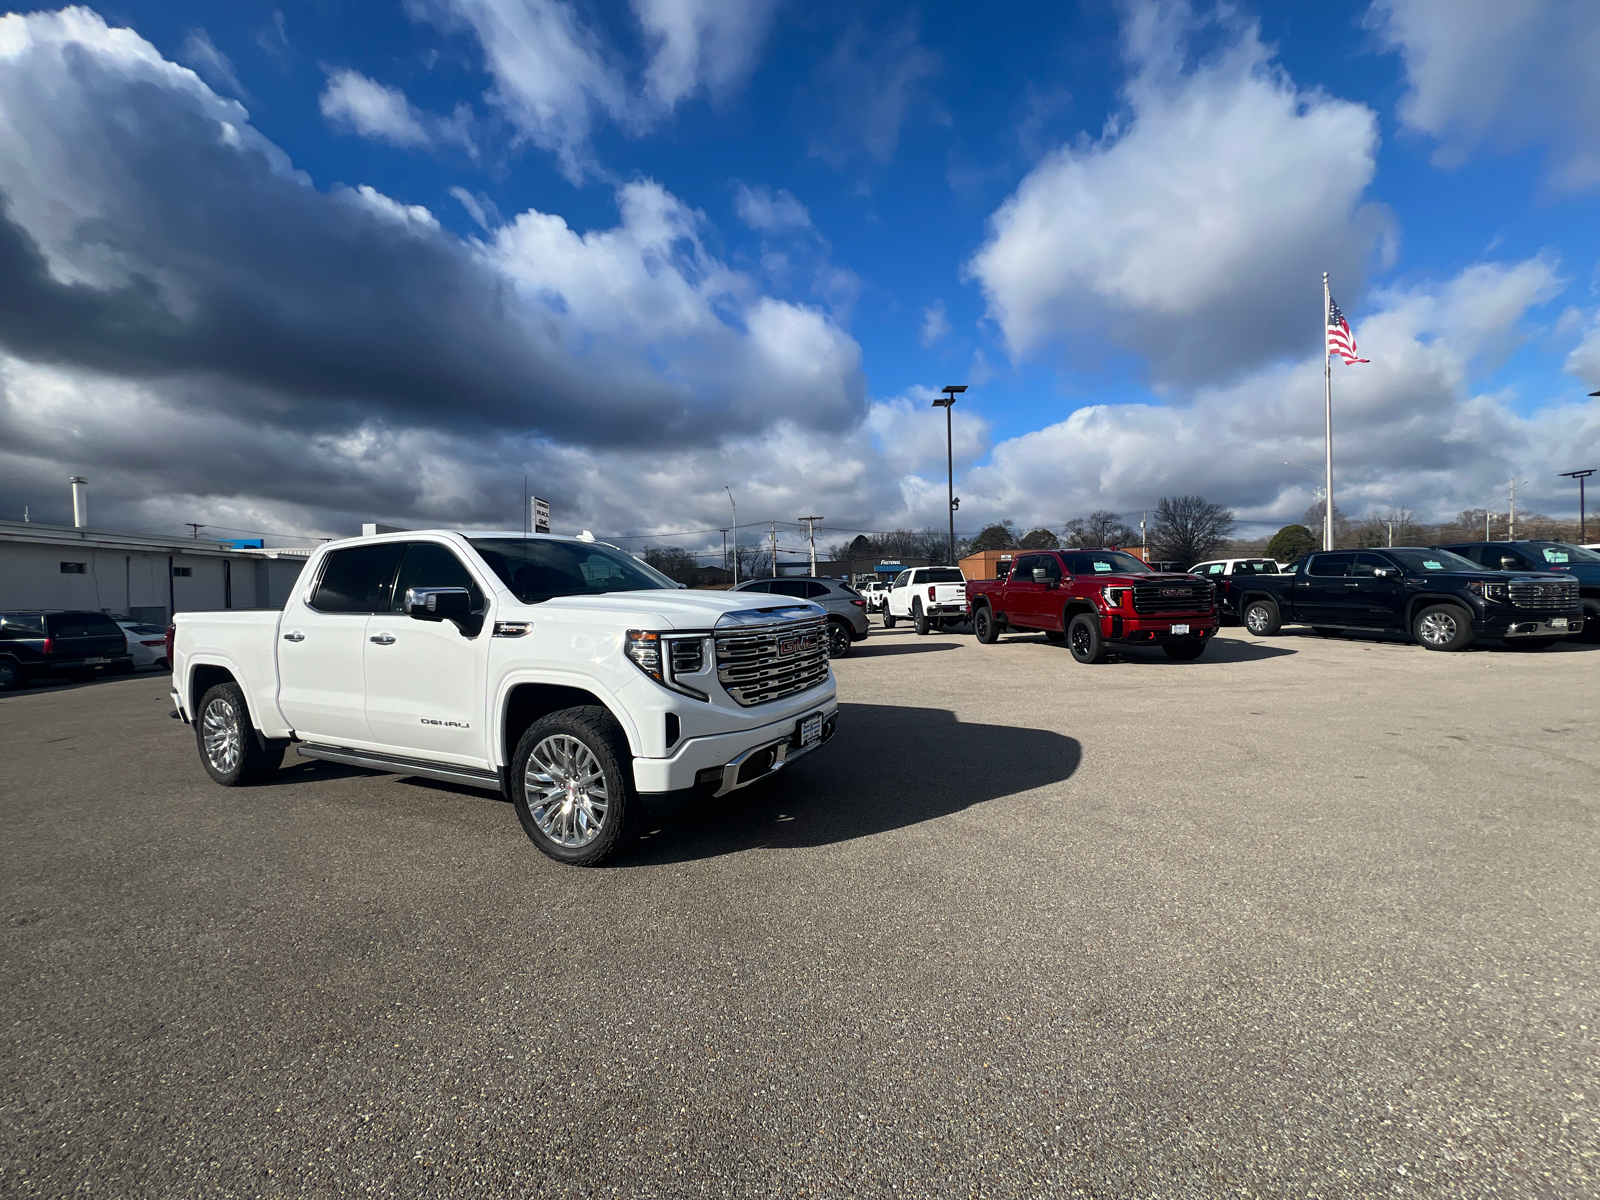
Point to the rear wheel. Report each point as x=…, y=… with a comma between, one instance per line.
x=838, y=639
x=983, y=626
x=1083, y=638
x=1185, y=651
x=888, y=619
x=229, y=749
x=1442, y=627
x=1262, y=619
x=572, y=785
x=919, y=619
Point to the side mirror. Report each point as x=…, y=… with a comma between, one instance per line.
x=437, y=604
x=1382, y=572
x=1507, y=563
x=1040, y=575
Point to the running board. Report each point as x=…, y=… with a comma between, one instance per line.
x=392, y=764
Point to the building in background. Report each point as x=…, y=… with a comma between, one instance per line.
x=137, y=577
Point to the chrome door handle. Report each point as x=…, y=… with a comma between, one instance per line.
x=383, y=639
x=294, y=637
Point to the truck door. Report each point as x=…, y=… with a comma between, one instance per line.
x=322, y=644
x=1321, y=596
x=1375, y=600
x=899, y=602
x=1022, y=593
x=426, y=680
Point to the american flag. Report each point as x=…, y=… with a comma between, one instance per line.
x=1340, y=340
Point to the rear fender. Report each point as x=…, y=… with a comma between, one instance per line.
x=260, y=694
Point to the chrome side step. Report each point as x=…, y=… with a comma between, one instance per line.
x=395, y=765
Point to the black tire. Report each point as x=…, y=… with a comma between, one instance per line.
x=1591, y=621
x=11, y=675
x=1084, y=640
x=983, y=626
x=1261, y=618
x=1185, y=651
x=230, y=750
x=1329, y=631
x=569, y=832
x=919, y=619
x=838, y=639
x=888, y=619
x=1443, y=627
x=1538, y=643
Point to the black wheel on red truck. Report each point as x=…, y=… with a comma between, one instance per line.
x=1084, y=640
x=1184, y=651
x=983, y=626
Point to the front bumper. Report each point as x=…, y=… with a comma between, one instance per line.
x=1532, y=627
x=725, y=762
x=1118, y=628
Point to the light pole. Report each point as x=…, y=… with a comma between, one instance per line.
x=950, y=391
x=729, y=490
x=1580, y=476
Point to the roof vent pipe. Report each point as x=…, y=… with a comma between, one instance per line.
x=80, y=502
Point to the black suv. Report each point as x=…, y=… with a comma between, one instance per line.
x=78, y=645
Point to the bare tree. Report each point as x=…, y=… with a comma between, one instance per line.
x=1344, y=531
x=1391, y=527
x=1190, y=528
x=676, y=563
x=1100, y=528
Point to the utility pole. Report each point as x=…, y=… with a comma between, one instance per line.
x=1144, y=535
x=948, y=403
x=1327, y=394
x=724, y=533
x=774, y=525
x=811, y=532
x=1580, y=476
x=1511, y=520
x=729, y=490
x=196, y=526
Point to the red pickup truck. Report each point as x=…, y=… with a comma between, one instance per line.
x=1096, y=599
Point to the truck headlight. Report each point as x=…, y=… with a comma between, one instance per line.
x=1113, y=596
x=1494, y=592
x=664, y=658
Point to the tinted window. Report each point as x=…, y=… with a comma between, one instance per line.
x=539, y=568
x=428, y=564
x=813, y=590
x=790, y=587
x=1023, y=567
x=1330, y=565
x=764, y=586
x=1050, y=565
x=1368, y=565
x=18, y=625
x=358, y=580
x=1106, y=562
x=1256, y=566
x=1420, y=562
x=1558, y=552
x=83, y=624
x=944, y=575
x=902, y=579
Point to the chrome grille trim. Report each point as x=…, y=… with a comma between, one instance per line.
x=749, y=665
x=1194, y=598
x=1560, y=596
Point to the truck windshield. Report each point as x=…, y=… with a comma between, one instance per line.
x=1422, y=562
x=537, y=568
x=944, y=575
x=1104, y=562
x=1558, y=552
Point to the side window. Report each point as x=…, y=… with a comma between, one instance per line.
x=816, y=590
x=1496, y=557
x=1022, y=569
x=428, y=564
x=358, y=580
x=1329, y=565
x=789, y=587
x=1368, y=565
x=764, y=586
x=903, y=579
x=1051, y=565
x=1219, y=568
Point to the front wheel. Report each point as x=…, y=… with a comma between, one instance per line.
x=1185, y=651
x=983, y=626
x=572, y=785
x=838, y=639
x=1261, y=618
x=229, y=749
x=888, y=619
x=1083, y=638
x=919, y=619
x=1442, y=627
x=1591, y=621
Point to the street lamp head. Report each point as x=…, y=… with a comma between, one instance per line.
x=951, y=391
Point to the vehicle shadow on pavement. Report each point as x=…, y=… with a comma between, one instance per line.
x=1223, y=650
x=312, y=770
x=848, y=789
x=916, y=647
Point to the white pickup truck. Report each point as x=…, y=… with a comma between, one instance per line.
x=927, y=597
x=561, y=672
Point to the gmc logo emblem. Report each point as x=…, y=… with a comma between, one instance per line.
x=796, y=645
x=1174, y=591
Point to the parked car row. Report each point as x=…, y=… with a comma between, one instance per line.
x=75, y=645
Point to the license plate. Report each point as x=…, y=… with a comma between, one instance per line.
x=1179, y=629
x=810, y=729
x=89, y=662
x=1558, y=622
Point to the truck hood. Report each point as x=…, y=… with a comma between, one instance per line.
x=677, y=609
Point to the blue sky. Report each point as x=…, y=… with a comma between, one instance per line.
x=642, y=250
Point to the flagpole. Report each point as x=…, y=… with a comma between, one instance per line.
x=1327, y=400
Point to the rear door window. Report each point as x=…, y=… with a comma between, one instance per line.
x=763, y=586
x=358, y=580
x=1329, y=566
x=17, y=626
x=789, y=587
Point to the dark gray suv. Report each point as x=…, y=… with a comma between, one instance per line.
x=847, y=610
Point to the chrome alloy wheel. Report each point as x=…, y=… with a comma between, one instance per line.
x=566, y=791
x=223, y=737
x=1255, y=619
x=1438, y=628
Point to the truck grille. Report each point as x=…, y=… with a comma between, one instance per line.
x=1172, y=597
x=758, y=664
x=1545, y=597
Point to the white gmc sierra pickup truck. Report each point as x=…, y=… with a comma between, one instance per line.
x=562, y=672
x=927, y=597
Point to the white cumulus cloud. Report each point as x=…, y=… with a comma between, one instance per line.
x=378, y=111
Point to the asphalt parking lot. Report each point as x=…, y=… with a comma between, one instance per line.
x=1303, y=918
